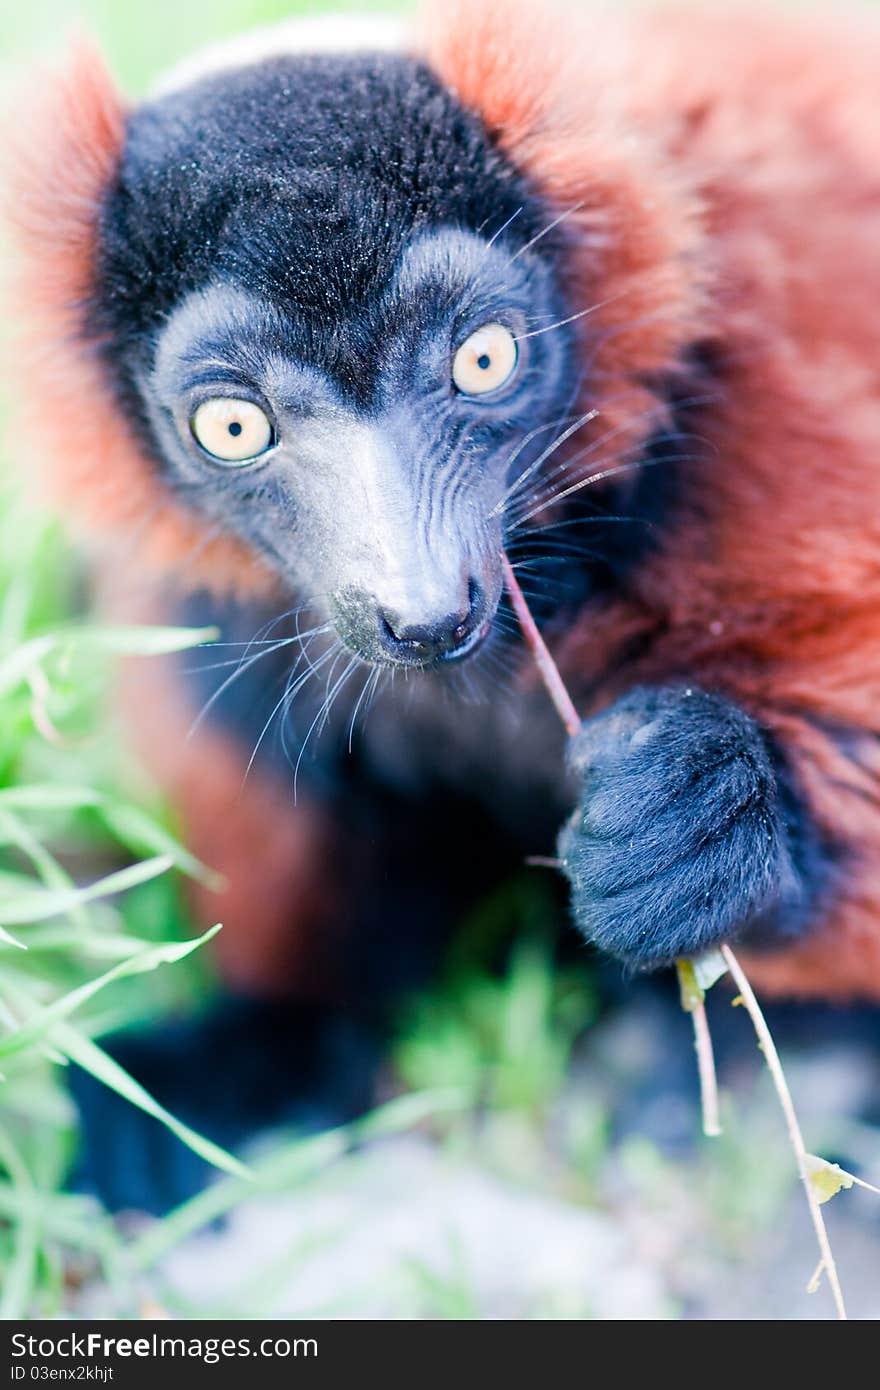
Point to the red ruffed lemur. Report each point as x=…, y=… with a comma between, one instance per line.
x=335, y=317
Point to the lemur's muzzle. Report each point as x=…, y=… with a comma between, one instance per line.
x=443, y=639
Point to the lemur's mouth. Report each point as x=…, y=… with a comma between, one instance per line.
x=430, y=650
x=475, y=639
x=412, y=636
x=427, y=645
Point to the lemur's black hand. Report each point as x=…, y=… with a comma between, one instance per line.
x=680, y=838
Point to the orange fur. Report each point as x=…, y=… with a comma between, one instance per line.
x=730, y=161
x=73, y=126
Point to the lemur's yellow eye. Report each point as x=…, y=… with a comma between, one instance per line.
x=485, y=361
x=231, y=430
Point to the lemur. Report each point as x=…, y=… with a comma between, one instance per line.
x=342, y=313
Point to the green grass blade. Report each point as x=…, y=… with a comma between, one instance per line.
x=42, y=1022
x=50, y=871
x=102, y=1067
x=138, y=641
x=139, y=832
x=20, y=1279
x=39, y=904
x=15, y=667
x=39, y=796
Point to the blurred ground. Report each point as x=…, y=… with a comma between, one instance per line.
x=614, y=1209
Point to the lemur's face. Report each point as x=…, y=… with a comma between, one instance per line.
x=323, y=294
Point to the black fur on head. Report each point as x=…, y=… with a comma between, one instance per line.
x=318, y=236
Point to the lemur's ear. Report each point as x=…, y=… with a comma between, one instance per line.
x=68, y=135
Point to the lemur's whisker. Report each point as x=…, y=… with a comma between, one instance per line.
x=330, y=675
x=523, y=545
x=537, y=594
x=504, y=226
x=251, y=642
x=560, y=323
x=548, y=453
x=257, y=640
x=265, y=729
x=322, y=716
x=505, y=626
x=360, y=699
x=264, y=630
x=593, y=478
x=673, y=436
x=267, y=649
x=557, y=422
x=602, y=440
x=291, y=686
x=324, y=627
x=373, y=687
x=299, y=637
x=242, y=666
x=565, y=557
x=500, y=659
x=616, y=430
x=245, y=663
x=598, y=518
x=529, y=471
x=563, y=216
x=523, y=444
x=269, y=644
x=582, y=314
x=292, y=689
x=609, y=467
x=295, y=683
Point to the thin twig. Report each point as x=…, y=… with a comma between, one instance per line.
x=705, y=1058
x=565, y=708
x=547, y=667
x=693, y=1001
x=706, y=1069
x=768, y=1047
x=868, y=1186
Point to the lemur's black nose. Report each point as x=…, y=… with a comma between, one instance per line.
x=443, y=639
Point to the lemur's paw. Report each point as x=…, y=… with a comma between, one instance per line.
x=677, y=841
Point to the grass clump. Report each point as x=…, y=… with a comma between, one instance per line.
x=80, y=860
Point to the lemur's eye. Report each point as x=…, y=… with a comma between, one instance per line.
x=485, y=361
x=231, y=430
